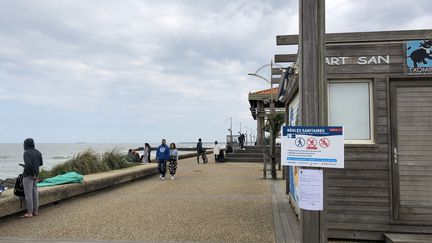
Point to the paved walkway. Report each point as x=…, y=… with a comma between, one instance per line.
x=205, y=203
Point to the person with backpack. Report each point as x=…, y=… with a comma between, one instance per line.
x=32, y=161
x=162, y=155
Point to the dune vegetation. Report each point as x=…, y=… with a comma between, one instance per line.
x=89, y=162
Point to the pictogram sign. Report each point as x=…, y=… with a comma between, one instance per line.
x=300, y=142
x=311, y=143
x=324, y=142
x=311, y=146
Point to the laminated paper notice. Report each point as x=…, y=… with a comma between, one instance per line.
x=311, y=189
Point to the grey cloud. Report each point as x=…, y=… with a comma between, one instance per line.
x=371, y=15
x=135, y=56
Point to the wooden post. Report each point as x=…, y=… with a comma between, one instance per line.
x=287, y=178
x=260, y=123
x=312, y=96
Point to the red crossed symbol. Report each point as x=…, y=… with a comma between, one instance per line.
x=324, y=142
x=311, y=143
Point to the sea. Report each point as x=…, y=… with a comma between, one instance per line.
x=11, y=154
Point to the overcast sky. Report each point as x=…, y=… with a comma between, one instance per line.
x=139, y=71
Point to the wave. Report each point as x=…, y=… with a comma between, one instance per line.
x=60, y=157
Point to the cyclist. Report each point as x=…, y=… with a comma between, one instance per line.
x=201, y=152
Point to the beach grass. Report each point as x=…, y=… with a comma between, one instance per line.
x=114, y=159
x=89, y=162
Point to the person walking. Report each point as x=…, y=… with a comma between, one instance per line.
x=173, y=160
x=162, y=155
x=199, y=149
x=145, y=157
x=32, y=161
x=241, y=140
x=216, y=150
x=149, y=153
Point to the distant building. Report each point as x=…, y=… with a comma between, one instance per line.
x=260, y=108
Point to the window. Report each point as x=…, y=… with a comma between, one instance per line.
x=350, y=106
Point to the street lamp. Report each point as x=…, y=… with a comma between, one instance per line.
x=272, y=110
x=255, y=74
x=230, y=130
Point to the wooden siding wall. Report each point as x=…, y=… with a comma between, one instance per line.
x=359, y=196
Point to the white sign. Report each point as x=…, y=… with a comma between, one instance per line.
x=311, y=189
x=310, y=146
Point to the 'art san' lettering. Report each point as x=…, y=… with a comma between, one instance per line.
x=362, y=60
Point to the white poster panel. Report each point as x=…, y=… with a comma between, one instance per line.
x=313, y=146
x=311, y=189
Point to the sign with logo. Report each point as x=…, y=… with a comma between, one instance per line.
x=419, y=56
x=312, y=146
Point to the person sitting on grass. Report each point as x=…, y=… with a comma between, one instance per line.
x=132, y=156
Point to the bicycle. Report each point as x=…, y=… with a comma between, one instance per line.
x=204, y=158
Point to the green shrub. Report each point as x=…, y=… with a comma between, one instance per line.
x=43, y=174
x=114, y=159
x=89, y=162
x=61, y=168
x=85, y=163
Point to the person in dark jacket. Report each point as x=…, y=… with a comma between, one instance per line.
x=32, y=160
x=241, y=140
x=162, y=155
x=199, y=149
x=229, y=148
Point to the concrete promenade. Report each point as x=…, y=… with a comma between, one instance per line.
x=205, y=203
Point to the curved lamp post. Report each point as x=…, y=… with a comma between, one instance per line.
x=255, y=74
x=272, y=110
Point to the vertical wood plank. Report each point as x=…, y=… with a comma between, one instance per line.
x=312, y=96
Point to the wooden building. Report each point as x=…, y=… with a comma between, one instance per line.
x=379, y=87
x=260, y=109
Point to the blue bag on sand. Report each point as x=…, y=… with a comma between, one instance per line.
x=70, y=177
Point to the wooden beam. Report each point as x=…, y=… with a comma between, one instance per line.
x=285, y=58
x=276, y=71
x=312, y=99
x=361, y=37
x=276, y=80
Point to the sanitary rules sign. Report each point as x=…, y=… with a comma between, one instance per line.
x=312, y=146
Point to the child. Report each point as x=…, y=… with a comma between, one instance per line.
x=173, y=160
